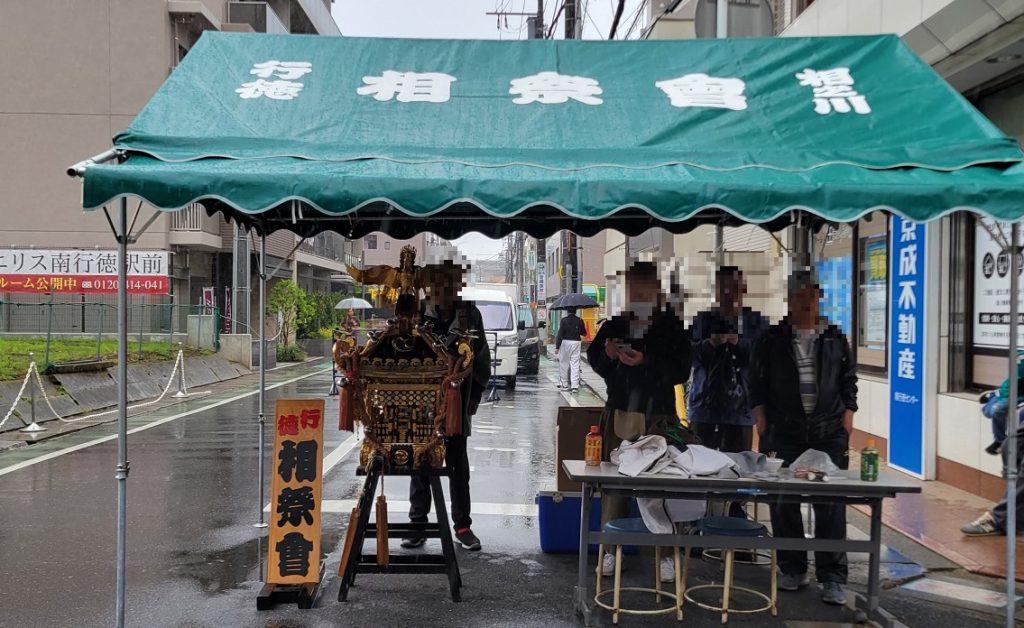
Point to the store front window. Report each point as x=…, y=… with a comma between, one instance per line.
x=990, y=315
x=872, y=292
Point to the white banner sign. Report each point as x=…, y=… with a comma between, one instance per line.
x=542, y=282
x=992, y=288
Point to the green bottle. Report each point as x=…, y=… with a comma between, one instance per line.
x=869, y=462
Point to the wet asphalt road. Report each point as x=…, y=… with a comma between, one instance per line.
x=195, y=559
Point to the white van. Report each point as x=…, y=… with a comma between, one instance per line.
x=499, y=314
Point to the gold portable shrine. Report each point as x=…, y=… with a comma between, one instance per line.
x=404, y=384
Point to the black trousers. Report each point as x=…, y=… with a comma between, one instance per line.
x=829, y=519
x=457, y=459
x=728, y=438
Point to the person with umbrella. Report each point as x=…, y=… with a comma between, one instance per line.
x=571, y=331
x=351, y=321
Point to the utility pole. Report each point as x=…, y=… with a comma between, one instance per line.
x=721, y=32
x=537, y=32
x=572, y=256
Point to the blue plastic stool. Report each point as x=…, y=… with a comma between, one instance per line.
x=635, y=525
x=737, y=527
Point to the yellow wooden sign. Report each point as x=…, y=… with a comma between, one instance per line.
x=294, y=549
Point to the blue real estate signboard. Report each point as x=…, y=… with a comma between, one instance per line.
x=907, y=360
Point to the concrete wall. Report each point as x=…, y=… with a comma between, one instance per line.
x=201, y=331
x=237, y=348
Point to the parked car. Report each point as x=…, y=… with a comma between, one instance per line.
x=529, y=339
x=499, y=314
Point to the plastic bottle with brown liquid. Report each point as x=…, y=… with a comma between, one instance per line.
x=592, y=447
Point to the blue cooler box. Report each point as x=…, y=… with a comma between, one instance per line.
x=558, y=519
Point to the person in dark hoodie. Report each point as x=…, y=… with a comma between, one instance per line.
x=448, y=312
x=641, y=355
x=804, y=396
x=724, y=336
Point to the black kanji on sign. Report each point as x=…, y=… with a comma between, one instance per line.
x=300, y=459
x=293, y=555
x=296, y=505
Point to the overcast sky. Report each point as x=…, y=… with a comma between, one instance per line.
x=467, y=19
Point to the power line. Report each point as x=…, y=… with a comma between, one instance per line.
x=668, y=9
x=636, y=15
x=554, y=21
x=618, y=16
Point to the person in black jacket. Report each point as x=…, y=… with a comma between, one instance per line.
x=571, y=331
x=641, y=355
x=448, y=313
x=804, y=396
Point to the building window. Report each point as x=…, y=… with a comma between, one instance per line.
x=990, y=307
x=370, y=242
x=387, y=245
x=873, y=292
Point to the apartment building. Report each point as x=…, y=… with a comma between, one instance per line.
x=77, y=75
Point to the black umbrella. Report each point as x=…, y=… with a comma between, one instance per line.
x=573, y=301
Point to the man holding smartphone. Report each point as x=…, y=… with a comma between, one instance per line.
x=641, y=354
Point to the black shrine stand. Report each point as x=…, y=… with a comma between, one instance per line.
x=302, y=595
x=444, y=563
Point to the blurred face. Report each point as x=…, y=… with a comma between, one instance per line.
x=803, y=304
x=730, y=290
x=445, y=294
x=643, y=296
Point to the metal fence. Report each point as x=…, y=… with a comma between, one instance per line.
x=150, y=318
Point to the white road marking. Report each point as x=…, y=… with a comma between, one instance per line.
x=395, y=505
x=67, y=450
x=332, y=459
x=494, y=449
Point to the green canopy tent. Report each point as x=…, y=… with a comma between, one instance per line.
x=406, y=136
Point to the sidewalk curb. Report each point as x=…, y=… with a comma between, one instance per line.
x=54, y=431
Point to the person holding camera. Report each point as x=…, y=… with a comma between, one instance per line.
x=641, y=354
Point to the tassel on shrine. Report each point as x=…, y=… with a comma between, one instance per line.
x=383, y=551
x=346, y=410
x=453, y=409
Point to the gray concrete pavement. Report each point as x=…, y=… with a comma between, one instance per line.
x=195, y=559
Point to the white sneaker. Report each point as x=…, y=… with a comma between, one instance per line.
x=668, y=570
x=608, y=565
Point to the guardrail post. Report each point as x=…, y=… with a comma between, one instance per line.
x=99, y=335
x=49, y=330
x=32, y=427
x=182, y=393
x=140, y=320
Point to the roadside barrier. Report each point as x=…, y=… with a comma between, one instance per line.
x=34, y=380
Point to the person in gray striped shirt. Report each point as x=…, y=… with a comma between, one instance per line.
x=804, y=395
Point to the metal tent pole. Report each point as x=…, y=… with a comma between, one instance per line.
x=263, y=368
x=122, y=405
x=1011, y=436
x=722, y=19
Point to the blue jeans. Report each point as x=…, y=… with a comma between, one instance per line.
x=996, y=409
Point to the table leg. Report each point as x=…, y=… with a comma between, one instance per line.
x=582, y=606
x=874, y=562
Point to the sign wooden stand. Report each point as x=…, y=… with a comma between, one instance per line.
x=302, y=595
x=357, y=561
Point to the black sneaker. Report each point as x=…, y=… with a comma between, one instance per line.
x=413, y=543
x=993, y=449
x=468, y=539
